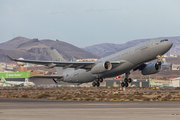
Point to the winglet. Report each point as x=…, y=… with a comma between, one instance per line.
x=10, y=58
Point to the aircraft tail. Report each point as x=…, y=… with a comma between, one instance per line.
x=57, y=57
x=151, y=82
x=3, y=80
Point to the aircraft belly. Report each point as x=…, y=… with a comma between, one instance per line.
x=87, y=77
x=80, y=76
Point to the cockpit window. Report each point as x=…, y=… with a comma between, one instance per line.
x=164, y=40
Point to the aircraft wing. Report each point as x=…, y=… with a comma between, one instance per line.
x=64, y=64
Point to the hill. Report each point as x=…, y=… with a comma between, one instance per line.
x=68, y=50
x=14, y=43
x=39, y=49
x=106, y=49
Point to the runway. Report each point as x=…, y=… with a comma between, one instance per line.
x=29, y=109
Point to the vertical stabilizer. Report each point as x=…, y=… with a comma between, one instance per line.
x=151, y=82
x=57, y=57
x=3, y=80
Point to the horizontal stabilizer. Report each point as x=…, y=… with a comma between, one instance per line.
x=10, y=58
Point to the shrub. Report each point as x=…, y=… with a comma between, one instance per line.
x=43, y=96
x=24, y=96
x=146, y=99
x=89, y=99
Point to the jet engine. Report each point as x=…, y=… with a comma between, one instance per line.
x=101, y=67
x=151, y=68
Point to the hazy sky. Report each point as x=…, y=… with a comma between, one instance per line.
x=88, y=22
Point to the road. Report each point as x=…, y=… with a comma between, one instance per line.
x=30, y=109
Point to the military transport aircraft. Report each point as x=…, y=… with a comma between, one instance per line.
x=133, y=58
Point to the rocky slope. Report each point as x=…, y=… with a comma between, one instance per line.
x=39, y=49
x=106, y=49
x=14, y=43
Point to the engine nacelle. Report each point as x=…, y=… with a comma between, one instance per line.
x=151, y=68
x=101, y=67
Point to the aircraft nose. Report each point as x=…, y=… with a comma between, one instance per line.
x=169, y=44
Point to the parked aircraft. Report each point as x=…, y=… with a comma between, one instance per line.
x=15, y=83
x=159, y=85
x=133, y=58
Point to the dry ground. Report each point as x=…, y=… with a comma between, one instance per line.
x=92, y=94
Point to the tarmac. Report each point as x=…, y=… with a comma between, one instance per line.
x=30, y=109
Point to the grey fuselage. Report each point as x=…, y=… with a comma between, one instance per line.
x=130, y=57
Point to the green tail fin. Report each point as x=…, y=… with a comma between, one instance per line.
x=3, y=80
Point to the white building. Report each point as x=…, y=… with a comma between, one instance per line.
x=176, y=82
x=174, y=67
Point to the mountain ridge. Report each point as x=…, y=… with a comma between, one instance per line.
x=103, y=49
x=40, y=49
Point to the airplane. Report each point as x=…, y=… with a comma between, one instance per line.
x=159, y=85
x=15, y=83
x=154, y=84
x=134, y=58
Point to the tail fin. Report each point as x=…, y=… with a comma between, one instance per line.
x=57, y=57
x=151, y=82
x=3, y=80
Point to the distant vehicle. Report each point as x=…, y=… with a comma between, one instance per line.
x=133, y=58
x=15, y=83
x=133, y=85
